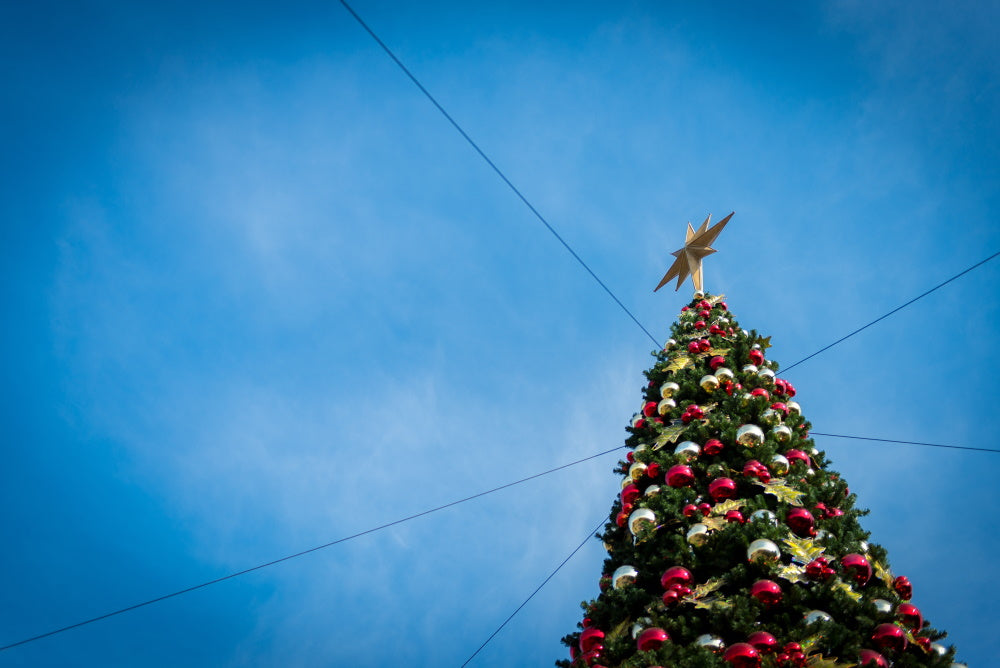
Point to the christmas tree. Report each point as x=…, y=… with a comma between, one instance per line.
x=733, y=542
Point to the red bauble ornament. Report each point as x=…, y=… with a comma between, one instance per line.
x=763, y=641
x=680, y=475
x=689, y=510
x=704, y=345
x=649, y=408
x=735, y=516
x=671, y=597
x=694, y=348
x=857, y=568
x=630, y=493
x=780, y=387
x=712, y=447
x=651, y=639
x=722, y=488
x=819, y=569
x=760, y=392
x=721, y=306
x=676, y=575
x=590, y=637
x=869, y=657
x=593, y=655
x=800, y=521
x=756, y=356
x=716, y=362
x=715, y=329
x=794, y=455
x=903, y=587
x=742, y=655
x=622, y=517
x=910, y=616
x=767, y=592
x=778, y=406
x=639, y=424
x=653, y=470
x=704, y=508
x=700, y=324
x=630, y=457
x=890, y=637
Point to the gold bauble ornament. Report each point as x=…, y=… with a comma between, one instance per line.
x=763, y=551
x=639, y=448
x=626, y=481
x=640, y=517
x=766, y=376
x=794, y=408
x=724, y=375
x=669, y=344
x=750, y=368
x=698, y=294
x=686, y=451
x=782, y=433
x=770, y=417
x=697, y=534
x=623, y=576
x=779, y=465
x=636, y=471
x=666, y=406
x=709, y=383
x=749, y=435
x=668, y=389
x=652, y=490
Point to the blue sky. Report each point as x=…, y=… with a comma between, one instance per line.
x=259, y=295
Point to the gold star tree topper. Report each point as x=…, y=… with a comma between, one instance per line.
x=697, y=245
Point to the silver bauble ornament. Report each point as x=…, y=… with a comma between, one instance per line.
x=864, y=546
x=652, y=490
x=666, y=406
x=641, y=625
x=794, y=408
x=640, y=517
x=712, y=643
x=697, y=534
x=749, y=435
x=766, y=375
x=763, y=551
x=669, y=344
x=745, y=332
x=764, y=515
x=883, y=606
x=668, y=389
x=749, y=368
x=725, y=375
x=623, y=576
x=687, y=450
x=636, y=471
x=745, y=398
x=782, y=433
x=722, y=320
x=814, y=616
x=636, y=419
x=756, y=346
x=626, y=481
x=770, y=417
x=779, y=465
x=822, y=535
x=698, y=294
x=709, y=383
x=639, y=448
x=939, y=649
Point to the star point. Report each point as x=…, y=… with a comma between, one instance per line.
x=697, y=246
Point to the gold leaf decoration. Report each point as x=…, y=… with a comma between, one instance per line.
x=810, y=642
x=619, y=630
x=715, y=299
x=883, y=573
x=803, y=550
x=793, y=573
x=913, y=639
x=726, y=506
x=703, y=590
x=713, y=523
x=765, y=343
x=846, y=588
x=713, y=604
x=669, y=435
x=786, y=494
x=678, y=363
x=819, y=661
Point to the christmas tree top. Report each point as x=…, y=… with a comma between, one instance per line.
x=733, y=543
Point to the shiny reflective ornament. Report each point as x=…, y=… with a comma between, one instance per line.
x=724, y=374
x=639, y=518
x=709, y=383
x=629, y=494
x=882, y=606
x=869, y=658
x=713, y=446
x=742, y=655
x=687, y=450
x=712, y=643
x=676, y=575
x=794, y=456
x=764, y=515
x=665, y=406
x=750, y=368
x=763, y=551
x=864, y=546
x=640, y=625
x=591, y=636
x=626, y=481
x=910, y=616
x=857, y=568
x=637, y=471
x=800, y=521
x=782, y=434
x=767, y=592
x=640, y=448
x=745, y=332
x=722, y=488
x=814, y=616
x=770, y=417
x=763, y=641
x=749, y=435
x=794, y=408
x=623, y=576
x=903, y=587
x=890, y=637
x=668, y=389
x=698, y=294
x=652, y=490
x=766, y=375
x=669, y=344
x=939, y=649
x=680, y=475
x=779, y=465
x=697, y=534
x=651, y=639
x=822, y=535
x=637, y=421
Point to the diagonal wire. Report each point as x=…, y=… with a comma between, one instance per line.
x=496, y=169
x=532, y=595
x=898, y=308
x=889, y=440
x=299, y=554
